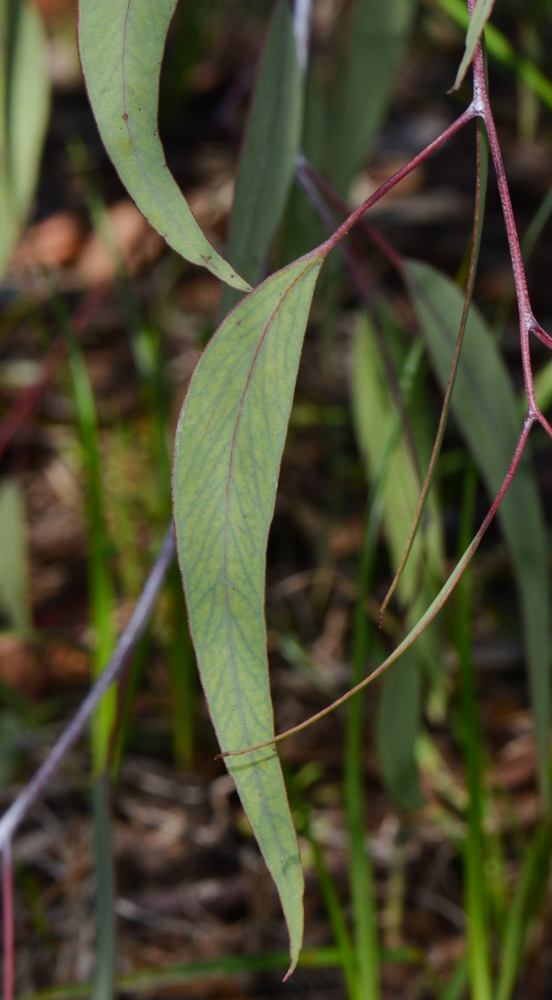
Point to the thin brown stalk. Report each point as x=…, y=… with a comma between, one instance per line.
x=430, y=475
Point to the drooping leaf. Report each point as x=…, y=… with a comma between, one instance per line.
x=267, y=162
x=378, y=34
x=24, y=108
x=121, y=45
x=478, y=20
x=14, y=563
x=228, y=451
x=486, y=410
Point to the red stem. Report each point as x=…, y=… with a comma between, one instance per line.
x=346, y=226
x=7, y=921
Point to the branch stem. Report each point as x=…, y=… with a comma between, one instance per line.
x=127, y=642
x=429, y=615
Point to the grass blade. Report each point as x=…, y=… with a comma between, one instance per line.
x=476, y=904
x=121, y=44
x=229, y=445
x=267, y=162
x=14, y=564
x=106, y=936
x=532, y=881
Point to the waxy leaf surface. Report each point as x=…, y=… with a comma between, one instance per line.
x=487, y=412
x=228, y=451
x=268, y=154
x=121, y=45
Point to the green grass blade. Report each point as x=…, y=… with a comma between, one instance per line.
x=106, y=925
x=377, y=38
x=374, y=412
x=14, y=563
x=475, y=894
x=24, y=111
x=121, y=45
x=360, y=868
x=458, y=983
x=231, y=965
x=482, y=12
x=532, y=882
x=499, y=48
x=486, y=410
x=228, y=450
x=332, y=902
x=267, y=162
x=101, y=594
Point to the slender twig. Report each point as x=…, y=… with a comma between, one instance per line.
x=127, y=642
x=306, y=183
x=476, y=243
x=7, y=921
x=389, y=184
x=431, y=612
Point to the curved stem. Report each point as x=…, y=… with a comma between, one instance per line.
x=431, y=612
x=480, y=191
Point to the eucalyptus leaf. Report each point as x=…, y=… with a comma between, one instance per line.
x=269, y=150
x=228, y=451
x=482, y=12
x=486, y=410
x=121, y=45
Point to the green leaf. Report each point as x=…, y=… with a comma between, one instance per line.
x=121, y=45
x=478, y=20
x=229, y=445
x=24, y=109
x=268, y=156
x=398, y=715
x=374, y=410
x=486, y=410
x=377, y=38
x=14, y=564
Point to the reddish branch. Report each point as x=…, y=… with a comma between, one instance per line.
x=481, y=108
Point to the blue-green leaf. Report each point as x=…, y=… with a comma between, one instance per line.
x=229, y=445
x=121, y=45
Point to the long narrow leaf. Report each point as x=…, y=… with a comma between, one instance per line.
x=478, y=20
x=486, y=410
x=377, y=38
x=268, y=156
x=121, y=46
x=229, y=446
x=24, y=108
